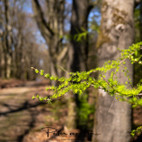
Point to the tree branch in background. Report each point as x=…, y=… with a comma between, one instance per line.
x=39, y=15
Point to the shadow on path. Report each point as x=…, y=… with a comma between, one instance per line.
x=33, y=115
x=25, y=106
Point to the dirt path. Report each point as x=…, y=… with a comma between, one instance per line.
x=25, y=120
x=21, y=118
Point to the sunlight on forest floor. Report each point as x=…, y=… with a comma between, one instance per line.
x=24, y=119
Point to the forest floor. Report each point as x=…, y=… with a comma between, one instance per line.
x=25, y=120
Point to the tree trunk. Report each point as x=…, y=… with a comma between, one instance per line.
x=78, y=50
x=141, y=19
x=79, y=24
x=113, y=118
x=52, y=30
x=6, y=41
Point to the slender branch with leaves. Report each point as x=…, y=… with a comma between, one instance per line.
x=78, y=82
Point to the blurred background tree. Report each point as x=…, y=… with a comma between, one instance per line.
x=18, y=49
x=138, y=37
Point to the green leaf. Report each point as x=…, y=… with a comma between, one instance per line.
x=33, y=97
x=37, y=96
x=36, y=71
x=41, y=72
x=47, y=75
x=136, y=53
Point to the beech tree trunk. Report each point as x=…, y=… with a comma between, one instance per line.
x=113, y=118
x=79, y=24
x=78, y=51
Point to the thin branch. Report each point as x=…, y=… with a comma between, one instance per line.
x=62, y=54
x=40, y=15
x=62, y=69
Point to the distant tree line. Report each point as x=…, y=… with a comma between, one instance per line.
x=18, y=49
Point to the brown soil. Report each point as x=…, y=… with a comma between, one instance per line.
x=25, y=120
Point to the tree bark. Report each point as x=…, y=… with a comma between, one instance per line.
x=113, y=118
x=79, y=23
x=78, y=51
x=141, y=19
x=51, y=27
